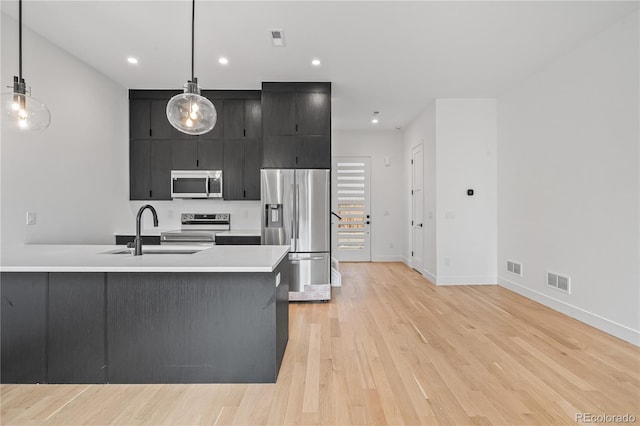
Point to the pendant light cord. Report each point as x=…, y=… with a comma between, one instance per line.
x=193, y=18
x=20, y=37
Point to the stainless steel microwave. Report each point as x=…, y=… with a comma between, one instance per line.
x=196, y=183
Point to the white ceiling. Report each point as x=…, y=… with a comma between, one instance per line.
x=391, y=57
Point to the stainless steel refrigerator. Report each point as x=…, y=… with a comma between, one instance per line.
x=295, y=212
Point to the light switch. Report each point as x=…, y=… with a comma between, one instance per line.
x=277, y=279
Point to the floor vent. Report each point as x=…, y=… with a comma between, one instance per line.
x=559, y=282
x=277, y=37
x=514, y=267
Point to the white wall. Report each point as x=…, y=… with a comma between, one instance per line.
x=387, y=186
x=245, y=215
x=466, y=144
x=459, y=147
x=568, y=181
x=422, y=131
x=74, y=174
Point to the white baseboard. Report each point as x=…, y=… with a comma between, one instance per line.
x=428, y=275
x=453, y=280
x=406, y=261
x=611, y=327
x=336, y=278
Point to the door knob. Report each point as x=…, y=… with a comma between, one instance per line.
x=420, y=225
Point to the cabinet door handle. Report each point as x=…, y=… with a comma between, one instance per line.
x=150, y=132
x=296, y=128
x=150, y=194
x=244, y=132
x=197, y=163
x=244, y=194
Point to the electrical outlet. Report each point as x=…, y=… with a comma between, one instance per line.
x=31, y=218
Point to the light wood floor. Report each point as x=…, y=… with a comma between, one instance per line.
x=390, y=348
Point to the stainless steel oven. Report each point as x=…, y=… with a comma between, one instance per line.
x=196, y=183
x=198, y=229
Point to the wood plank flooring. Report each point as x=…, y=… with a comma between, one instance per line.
x=390, y=348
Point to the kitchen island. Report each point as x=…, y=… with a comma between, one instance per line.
x=93, y=314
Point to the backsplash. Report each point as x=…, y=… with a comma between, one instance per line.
x=244, y=214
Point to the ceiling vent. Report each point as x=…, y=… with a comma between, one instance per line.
x=277, y=37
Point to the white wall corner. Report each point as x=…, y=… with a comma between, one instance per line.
x=618, y=330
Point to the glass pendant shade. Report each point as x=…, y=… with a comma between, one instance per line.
x=191, y=113
x=22, y=112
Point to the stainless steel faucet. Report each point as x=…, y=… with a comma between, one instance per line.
x=138, y=240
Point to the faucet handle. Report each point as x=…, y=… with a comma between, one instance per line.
x=131, y=244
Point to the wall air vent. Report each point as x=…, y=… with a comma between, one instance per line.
x=514, y=267
x=559, y=282
x=277, y=38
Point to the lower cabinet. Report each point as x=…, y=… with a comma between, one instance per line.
x=23, y=327
x=143, y=327
x=76, y=343
x=53, y=327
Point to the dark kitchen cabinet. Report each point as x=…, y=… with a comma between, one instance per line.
x=76, y=342
x=156, y=147
x=150, y=170
x=242, y=119
x=241, y=175
x=296, y=125
x=23, y=323
x=139, y=119
x=160, y=158
x=242, y=149
x=139, y=169
x=196, y=154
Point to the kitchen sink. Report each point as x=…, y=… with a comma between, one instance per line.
x=156, y=250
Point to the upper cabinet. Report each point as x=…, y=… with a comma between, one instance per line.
x=156, y=147
x=242, y=149
x=296, y=125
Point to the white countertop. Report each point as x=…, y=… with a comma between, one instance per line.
x=96, y=258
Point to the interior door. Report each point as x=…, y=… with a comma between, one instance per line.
x=417, y=209
x=351, y=233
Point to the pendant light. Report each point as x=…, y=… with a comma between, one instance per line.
x=189, y=112
x=20, y=110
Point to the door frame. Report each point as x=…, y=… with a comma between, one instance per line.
x=415, y=264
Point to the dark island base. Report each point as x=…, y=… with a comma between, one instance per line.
x=138, y=327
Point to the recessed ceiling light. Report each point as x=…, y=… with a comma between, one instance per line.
x=132, y=60
x=223, y=61
x=315, y=62
x=374, y=119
